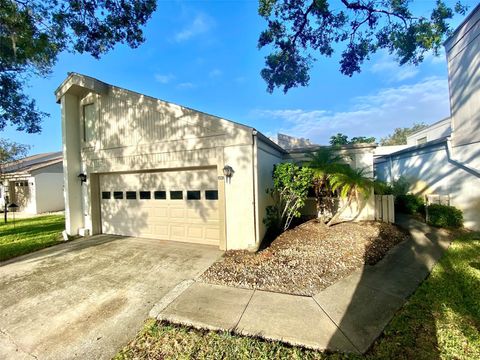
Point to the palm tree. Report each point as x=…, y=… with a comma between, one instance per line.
x=350, y=184
x=324, y=162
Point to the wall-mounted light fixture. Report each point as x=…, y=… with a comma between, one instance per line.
x=228, y=171
x=82, y=177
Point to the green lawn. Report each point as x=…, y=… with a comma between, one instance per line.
x=29, y=234
x=440, y=321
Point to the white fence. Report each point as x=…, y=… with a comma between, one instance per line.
x=384, y=208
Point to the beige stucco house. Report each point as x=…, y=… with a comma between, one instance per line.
x=139, y=166
x=34, y=183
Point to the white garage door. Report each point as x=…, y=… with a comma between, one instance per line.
x=170, y=205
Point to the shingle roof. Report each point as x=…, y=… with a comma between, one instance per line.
x=33, y=162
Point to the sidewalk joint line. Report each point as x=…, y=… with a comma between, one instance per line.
x=338, y=327
x=243, y=312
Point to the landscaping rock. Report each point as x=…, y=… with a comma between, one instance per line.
x=308, y=258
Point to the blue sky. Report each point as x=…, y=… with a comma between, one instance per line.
x=203, y=54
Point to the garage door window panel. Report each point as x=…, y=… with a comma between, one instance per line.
x=106, y=195
x=193, y=195
x=145, y=195
x=160, y=195
x=131, y=195
x=211, y=194
x=176, y=195
x=118, y=195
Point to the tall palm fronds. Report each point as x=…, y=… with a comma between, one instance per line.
x=350, y=184
x=324, y=162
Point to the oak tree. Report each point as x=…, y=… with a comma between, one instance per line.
x=33, y=33
x=298, y=31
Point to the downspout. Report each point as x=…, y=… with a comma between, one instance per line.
x=255, y=187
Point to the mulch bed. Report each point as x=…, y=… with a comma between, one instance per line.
x=308, y=258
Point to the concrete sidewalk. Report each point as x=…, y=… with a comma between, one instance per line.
x=347, y=316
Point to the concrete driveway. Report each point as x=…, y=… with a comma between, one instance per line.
x=87, y=298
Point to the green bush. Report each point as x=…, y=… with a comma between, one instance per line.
x=397, y=187
x=401, y=186
x=409, y=204
x=382, y=188
x=290, y=189
x=444, y=216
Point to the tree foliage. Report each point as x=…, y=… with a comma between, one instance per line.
x=399, y=135
x=323, y=163
x=299, y=30
x=11, y=151
x=342, y=139
x=33, y=33
x=290, y=189
x=350, y=184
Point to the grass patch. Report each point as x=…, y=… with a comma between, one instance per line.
x=29, y=235
x=440, y=321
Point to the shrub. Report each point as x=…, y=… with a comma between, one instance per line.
x=382, y=188
x=397, y=187
x=401, y=186
x=409, y=204
x=444, y=216
x=290, y=188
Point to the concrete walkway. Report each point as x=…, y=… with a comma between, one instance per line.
x=347, y=316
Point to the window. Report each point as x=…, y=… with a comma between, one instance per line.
x=145, y=195
x=211, y=194
x=160, y=195
x=88, y=122
x=106, y=195
x=176, y=195
x=193, y=195
x=131, y=195
x=118, y=195
x=422, y=140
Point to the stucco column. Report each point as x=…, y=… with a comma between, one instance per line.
x=71, y=164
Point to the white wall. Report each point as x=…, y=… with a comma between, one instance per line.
x=463, y=58
x=433, y=171
x=239, y=198
x=435, y=131
x=49, y=192
x=267, y=157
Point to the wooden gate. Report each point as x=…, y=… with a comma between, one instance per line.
x=384, y=208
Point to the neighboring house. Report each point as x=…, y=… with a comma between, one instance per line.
x=288, y=142
x=447, y=163
x=438, y=130
x=158, y=170
x=34, y=183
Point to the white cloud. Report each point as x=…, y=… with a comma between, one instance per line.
x=164, y=78
x=371, y=115
x=392, y=71
x=215, y=73
x=186, y=85
x=201, y=24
